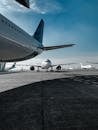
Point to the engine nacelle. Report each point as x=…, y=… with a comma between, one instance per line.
x=32, y=68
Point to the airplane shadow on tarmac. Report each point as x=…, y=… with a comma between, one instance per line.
x=51, y=105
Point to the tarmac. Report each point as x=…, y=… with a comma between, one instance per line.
x=49, y=100
x=11, y=80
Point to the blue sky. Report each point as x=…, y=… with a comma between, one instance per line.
x=66, y=21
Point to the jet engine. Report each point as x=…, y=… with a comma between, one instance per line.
x=32, y=68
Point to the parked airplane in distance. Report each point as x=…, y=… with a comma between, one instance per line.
x=85, y=66
x=24, y=3
x=44, y=65
x=17, y=45
x=47, y=64
x=6, y=67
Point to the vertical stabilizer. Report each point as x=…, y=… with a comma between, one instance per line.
x=38, y=35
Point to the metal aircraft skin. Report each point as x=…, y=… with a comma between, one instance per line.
x=18, y=45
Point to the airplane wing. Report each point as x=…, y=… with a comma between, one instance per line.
x=62, y=64
x=29, y=65
x=24, y=2
x=57, y=47
x=92, y=62
x=35, y=65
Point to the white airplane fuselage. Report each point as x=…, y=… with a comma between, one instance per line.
x=46, y=64
x=15, y=43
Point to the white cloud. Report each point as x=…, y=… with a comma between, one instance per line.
x=35, y=8
x=45, y=6
x=10, y=5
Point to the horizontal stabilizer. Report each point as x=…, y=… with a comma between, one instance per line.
x=57, y=47
x=24, y=2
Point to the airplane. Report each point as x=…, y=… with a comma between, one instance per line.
x=18, y=45
x=45, y=65
x=24, y=3
x=5, y=67
x=48, y=64
x=85, y=66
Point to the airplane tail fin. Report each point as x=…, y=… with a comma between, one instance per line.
x=38, y=35
x=12, y=67
x=2, y=66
